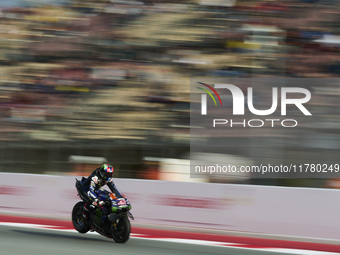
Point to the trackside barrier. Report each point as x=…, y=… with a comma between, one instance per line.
x=300, y=212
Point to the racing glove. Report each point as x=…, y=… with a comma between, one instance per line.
x=96, y=202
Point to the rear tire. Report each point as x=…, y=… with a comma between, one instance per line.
x=120, y=230
x=79, y=223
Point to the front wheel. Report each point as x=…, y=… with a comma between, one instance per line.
x=121, y=230
x=79, y=223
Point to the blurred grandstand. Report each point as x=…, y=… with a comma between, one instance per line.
x=111, y=78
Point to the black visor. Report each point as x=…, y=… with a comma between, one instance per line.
x=106, y=174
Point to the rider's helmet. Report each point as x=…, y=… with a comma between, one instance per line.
x=106, y=172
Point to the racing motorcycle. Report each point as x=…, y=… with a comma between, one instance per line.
x=110, y=219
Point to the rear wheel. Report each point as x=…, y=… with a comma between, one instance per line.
x=79, y=223
x=120, y=230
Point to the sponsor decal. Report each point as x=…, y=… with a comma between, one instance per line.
x=15, y=191
x=191, y=202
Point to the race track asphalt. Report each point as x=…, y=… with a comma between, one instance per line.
x=30, y=241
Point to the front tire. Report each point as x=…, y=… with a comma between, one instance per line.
x=79, y=223
x=120, y=230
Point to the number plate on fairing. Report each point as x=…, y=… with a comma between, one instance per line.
x=122, y=202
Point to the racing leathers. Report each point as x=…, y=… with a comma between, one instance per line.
x=92, y=186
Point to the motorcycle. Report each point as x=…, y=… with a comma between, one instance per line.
x=109, y=219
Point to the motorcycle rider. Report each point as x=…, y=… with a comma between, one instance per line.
x=92, y=186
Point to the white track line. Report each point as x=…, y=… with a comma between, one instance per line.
x=178, y=240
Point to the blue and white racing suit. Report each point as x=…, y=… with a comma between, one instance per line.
x=93, y=188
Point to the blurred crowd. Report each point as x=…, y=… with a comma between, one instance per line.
x=109, y=69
